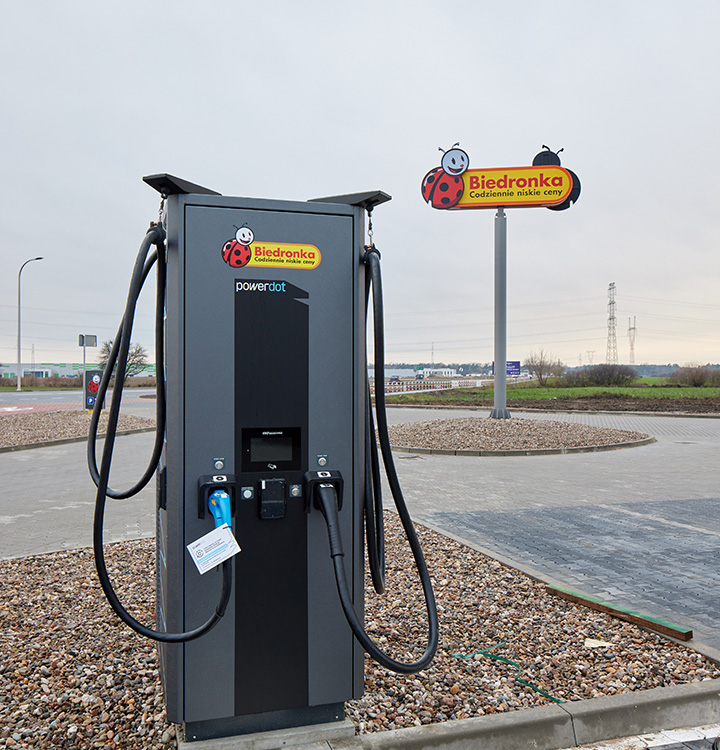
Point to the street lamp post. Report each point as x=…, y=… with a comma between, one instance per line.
x=19, y=372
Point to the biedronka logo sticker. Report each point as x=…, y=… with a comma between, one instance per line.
x=244, y=251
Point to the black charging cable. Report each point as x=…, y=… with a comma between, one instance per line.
x=325, y=497
x=119, y=356
x=160, y=400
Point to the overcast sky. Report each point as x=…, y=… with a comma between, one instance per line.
x=294, y=100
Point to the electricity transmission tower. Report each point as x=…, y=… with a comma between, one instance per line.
x=632, y=330
x=611, y=356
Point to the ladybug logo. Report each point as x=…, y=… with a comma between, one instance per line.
x=237, y=253
x=552, y=158
x=443, y=186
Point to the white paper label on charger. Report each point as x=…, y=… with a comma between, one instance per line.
x=213, y=548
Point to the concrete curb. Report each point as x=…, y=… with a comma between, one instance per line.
x=559, y=726
x=544, y=728
x=691, y=704
x=65, y=441
x=528, y=452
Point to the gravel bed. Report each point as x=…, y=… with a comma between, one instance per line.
x=72, y=676
x=481, y=433
x=44, y=427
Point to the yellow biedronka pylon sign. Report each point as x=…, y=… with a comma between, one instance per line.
x=453, y=186
x=516, y=186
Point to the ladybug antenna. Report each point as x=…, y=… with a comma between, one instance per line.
x=557, y=152
x=440, y=148
x=547, y=147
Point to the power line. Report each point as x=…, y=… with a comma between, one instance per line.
x=445, y=311
x=488, y=322
x=664, y=302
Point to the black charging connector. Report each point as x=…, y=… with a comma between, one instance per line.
x=313, y=479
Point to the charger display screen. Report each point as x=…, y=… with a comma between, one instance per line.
x=275, y=448
x=271, y=448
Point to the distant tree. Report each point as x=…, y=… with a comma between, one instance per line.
x=137, y=358
x=608, y=374
x=695, y=375
x=543, y=366
x=601, y=375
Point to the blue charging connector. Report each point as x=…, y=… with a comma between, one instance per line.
x=219, y=506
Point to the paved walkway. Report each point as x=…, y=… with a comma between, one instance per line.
x=47, y=498
x=639, y=527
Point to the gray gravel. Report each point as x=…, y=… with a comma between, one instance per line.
x=72, y=676
x=44, y=427
x=481, y=433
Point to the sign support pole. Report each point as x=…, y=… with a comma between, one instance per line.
x=500, y=410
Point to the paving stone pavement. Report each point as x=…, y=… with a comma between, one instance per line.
x=639, y=527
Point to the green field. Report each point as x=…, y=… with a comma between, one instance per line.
x=535, y=392
x=633, y=392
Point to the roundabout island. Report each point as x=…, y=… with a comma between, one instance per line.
x=481, y=436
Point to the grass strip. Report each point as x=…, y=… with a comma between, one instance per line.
x=629, y=615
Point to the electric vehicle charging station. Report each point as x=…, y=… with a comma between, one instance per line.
x=287, y=347
x=267, y=408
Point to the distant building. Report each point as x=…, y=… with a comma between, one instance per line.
x=58, y=370
x=440, y=372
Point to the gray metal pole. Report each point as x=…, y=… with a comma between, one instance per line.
x=19, y=372
x=500, y=410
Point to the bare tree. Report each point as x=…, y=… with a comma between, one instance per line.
x=542, y=366
x=137, y=358
x=695, y=375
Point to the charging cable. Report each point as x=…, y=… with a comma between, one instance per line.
x=325, y=497
x=327, y=500
x=119, y=355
